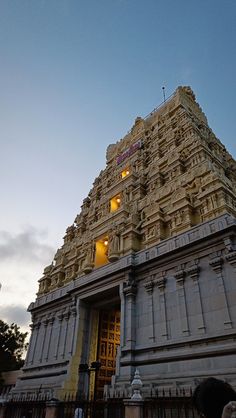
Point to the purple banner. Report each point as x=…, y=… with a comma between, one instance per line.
x=130, y=151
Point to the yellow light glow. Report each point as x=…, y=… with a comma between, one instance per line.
x=125, y=173
x=101, y=252
x=115, y=203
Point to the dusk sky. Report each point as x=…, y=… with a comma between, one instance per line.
x=74, y=76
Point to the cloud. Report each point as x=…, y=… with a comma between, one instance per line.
x=16, y=314
x=25, y=246
x=23, y=256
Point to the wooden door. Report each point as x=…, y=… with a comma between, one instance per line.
x=108, y=341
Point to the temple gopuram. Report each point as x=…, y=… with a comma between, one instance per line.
x=146, y=275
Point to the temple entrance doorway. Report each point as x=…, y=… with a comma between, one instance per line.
x=101, y=340
x=108, y=343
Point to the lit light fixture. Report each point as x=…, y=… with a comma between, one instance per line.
x=125, y=173
x=118, y=199
x=105, y=242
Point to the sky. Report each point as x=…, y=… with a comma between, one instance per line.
x=74, y=75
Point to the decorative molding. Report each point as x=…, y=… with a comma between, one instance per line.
x=229, y=244
x=182, y=240
x=231, y=258
x=180, y=277
x=160, y=281
x=130, y=287
x=149, y=286
x=193, y=272
x=216, y=264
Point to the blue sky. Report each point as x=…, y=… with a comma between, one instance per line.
x=74, y=76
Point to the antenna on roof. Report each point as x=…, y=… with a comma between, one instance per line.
x=164, y=93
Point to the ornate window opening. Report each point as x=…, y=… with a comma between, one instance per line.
x=115, y=203
x=101, y=251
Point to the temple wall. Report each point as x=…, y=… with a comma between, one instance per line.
x=158, y=224
x=184, y=313
x=178, y=316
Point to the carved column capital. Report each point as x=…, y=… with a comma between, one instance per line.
x=149, y=286
x=51, y=319
x=161, y=283
x=130, y=290
x=216, y=264
x=231, y=258
x=45, y=321
x=193, y=272
x=67, y=315
x=37, y=324
x=179, y=277
x=130, y=287
x=60, y=316
x=73, y=311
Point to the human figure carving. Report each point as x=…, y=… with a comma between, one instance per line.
x=90, y=254
x=114, y=243
x=142, y=219
x=195, y=186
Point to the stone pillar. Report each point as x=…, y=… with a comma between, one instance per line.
x=130, y=290
x=133, y=408
x=72, y=329
x=149, y=289
x=58, y=337
x=33, y=341
x=64, y=340
x=161, y=282
x=45, y=324
x=49, y=336
x=183, y=315
x=193, y=272
x=216, y=264
x=52, y=409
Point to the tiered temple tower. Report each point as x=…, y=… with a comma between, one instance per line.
x=146, y=275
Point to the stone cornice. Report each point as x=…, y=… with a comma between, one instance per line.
x=194, y=235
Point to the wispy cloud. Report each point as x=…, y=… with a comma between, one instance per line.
x=25, y=246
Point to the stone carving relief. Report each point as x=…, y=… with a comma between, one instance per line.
x=175, y=180
x=114, y=245
x=89, y=259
